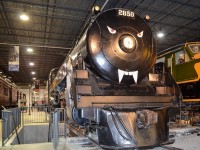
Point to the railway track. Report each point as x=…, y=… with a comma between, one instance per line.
x=77, y=140
x=84, y=143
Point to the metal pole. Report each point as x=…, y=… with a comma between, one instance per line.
x=104, y=5
x=65, y=123
x=55, y=130
x=29, y=100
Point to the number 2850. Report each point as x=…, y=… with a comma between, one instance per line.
x=126, y=13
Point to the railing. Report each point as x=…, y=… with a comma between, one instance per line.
x=39, y=114
x=13, y=118
x=57, y=126
x=11, y=121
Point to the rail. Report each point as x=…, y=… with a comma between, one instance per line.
x=11, y=121
x=57, y=126
x=36, y=114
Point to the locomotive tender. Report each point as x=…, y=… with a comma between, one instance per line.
x=112, y=86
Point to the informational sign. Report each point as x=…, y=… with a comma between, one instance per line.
x=13, y=61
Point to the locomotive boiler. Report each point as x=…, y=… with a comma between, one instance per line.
x=112, y=86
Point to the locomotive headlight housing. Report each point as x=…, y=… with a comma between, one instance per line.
x=127, y=43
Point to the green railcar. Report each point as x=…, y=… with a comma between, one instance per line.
x=184, y=64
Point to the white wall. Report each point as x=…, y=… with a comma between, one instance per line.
x=28, y=93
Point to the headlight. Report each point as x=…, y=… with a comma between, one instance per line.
x=127, y=43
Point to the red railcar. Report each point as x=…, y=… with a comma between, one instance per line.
x=9, y=93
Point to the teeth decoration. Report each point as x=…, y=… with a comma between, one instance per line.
x=121, y=73
x=135, y=76
x=112, y=31
x=140, y=34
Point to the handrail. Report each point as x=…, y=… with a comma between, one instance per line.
x=11, y=120
x=57, y=119
x=18, y=140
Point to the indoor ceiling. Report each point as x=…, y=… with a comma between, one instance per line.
x=55, y=26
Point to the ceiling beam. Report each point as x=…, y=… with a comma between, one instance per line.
x=58, y=16
x=34, y=37
x=43, y=5
x=37, y=31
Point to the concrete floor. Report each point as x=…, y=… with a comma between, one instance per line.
x=64, y=144
x=186, y=142
x=41, y=146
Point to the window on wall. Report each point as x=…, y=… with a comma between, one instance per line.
x=181, y=57
x=5, y=91
x=24, y=96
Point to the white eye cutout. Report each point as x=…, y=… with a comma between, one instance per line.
x=140, y=34
x=112, y=31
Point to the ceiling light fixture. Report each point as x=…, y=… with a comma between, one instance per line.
x=34, y=78
x=24, y=17
x=29, y=50
x=32, y=72
x=31, y=64
x=160, y=34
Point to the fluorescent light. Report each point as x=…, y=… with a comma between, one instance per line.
x=32, y=72
x=34, y=78
x=24, y=17
x=160, y=34
x=29, y=50
x=31, y=64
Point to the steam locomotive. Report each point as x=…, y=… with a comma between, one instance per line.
x=112, y=86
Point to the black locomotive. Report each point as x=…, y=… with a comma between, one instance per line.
x=112, y=86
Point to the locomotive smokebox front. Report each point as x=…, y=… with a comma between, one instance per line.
x=120, y=46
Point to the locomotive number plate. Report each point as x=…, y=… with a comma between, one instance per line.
x=126, y=13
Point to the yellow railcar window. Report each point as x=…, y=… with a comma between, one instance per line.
x=195, y=48
x=160, y=60
x=181, y=57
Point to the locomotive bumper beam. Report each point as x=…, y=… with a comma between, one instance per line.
x=120, y=128
x=128, y=123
